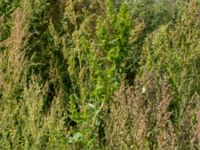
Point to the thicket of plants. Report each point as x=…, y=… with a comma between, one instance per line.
x=99, y=74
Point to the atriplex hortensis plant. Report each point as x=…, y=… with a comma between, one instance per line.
x=107, y=60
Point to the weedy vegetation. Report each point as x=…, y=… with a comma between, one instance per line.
x=99, y=74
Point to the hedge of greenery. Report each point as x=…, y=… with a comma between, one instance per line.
x=99, y=74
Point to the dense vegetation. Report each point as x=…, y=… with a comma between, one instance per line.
x=99, y=74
